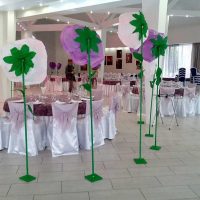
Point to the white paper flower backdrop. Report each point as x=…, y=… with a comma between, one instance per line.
x=125, y=31
x=38, y=73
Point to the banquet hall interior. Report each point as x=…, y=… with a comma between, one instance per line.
x=115, y=116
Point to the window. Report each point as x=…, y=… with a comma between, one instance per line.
x=177, y=56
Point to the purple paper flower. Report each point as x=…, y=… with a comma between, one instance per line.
x=72, y=47
x=147, y=52
x=52, y=65
x=59, y=65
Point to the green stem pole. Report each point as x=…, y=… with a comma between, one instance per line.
x=141, y=70
x=25, y=123
x=149, y=131
x=155, y=147
x=92, y=177
x=140, y=160
x=27, y=177
x=91, y=110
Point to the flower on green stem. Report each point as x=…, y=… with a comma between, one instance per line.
x=140, y=25
x=88, y=40
x=21, y=60
x=159, y=46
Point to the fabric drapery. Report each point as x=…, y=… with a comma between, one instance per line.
x=196, y=56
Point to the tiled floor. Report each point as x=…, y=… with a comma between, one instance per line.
x=171, y=173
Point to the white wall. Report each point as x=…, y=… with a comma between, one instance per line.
x=179, y=34
x=184, y=34
x=126, y=67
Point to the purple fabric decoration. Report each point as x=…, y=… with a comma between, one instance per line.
x=52, y=65
x=147, y=52
x=72, y=48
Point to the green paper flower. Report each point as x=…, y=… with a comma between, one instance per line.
x=88, y=40
x=159, y=46
x=140, y=25
x=21, y=60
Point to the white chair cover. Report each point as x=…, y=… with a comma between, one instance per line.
x=190, y=100
x=5, y=124
x=64, y=139
x=166, y=100
x=125, y=89
x=109, y=118
x=84, y=126
x=17, y=132
x=98, y=94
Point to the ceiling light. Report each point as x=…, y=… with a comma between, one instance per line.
x=57, y=20
x=108, y=12
x=68, y=22
x=111, y=31
x=91, y=12
x=61, y=1
x=171, y=15
x=187, y=16
x=41, y=4
x=23, y=8
x=18, y=23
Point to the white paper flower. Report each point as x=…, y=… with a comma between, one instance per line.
x=37, y=62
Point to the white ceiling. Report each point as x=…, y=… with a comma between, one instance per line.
x=78, y=11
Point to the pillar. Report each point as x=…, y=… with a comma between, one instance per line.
x=155, y=12
x=102, y=34
x=7, y=35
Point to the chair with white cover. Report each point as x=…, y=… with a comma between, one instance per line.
x=109, y=123
x=125, y=89
x=5, y=131
x=17, y=132
x=84, y=126
x=98, y=94
x=186, y=106
x=167, y=101
x=64, y=138
x=1, y=137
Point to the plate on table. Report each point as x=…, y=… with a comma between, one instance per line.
x=60, y=102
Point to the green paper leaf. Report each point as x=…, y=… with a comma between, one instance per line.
x=158, y=76
x=138, y=56
x=21, y=60
x=140, y=25
x=152, y=83
x=141, y=74
x=87, y=86
x=88, y=40
x=158, y=81
x=93, y=74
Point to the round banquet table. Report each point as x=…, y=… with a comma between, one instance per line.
x=43, y=107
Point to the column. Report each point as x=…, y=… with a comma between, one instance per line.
x=102, y=34
x=26, y=34
x=7, y=35
x=155, y=12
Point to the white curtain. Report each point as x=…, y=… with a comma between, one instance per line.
x=177, y=56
